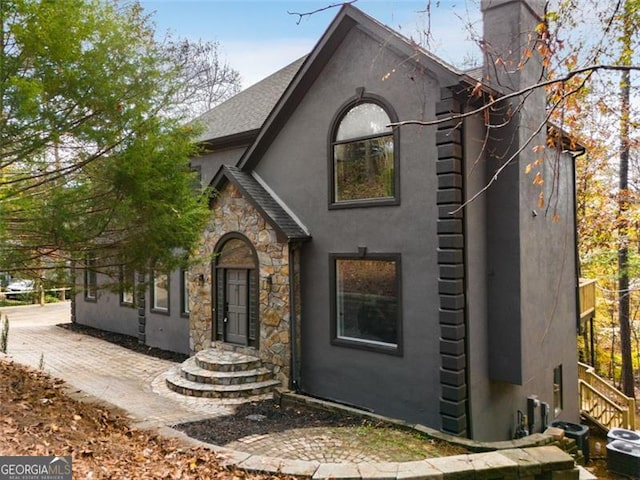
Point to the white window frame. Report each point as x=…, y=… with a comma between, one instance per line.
x=157, y=288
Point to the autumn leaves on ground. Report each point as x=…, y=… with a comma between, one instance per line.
x=38, y=418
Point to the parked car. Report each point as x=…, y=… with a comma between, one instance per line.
x=17, y=287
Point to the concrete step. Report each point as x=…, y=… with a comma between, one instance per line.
x=191, y=371
x=179, y=384
x=226, y=361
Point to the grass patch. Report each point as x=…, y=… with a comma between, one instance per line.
x=400, y=444
x=378, y=439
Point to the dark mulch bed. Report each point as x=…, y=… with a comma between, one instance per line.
x=267, y=416
x=125, y=341
x=256, y=418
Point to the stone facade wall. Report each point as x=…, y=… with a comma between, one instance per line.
x=233, y=213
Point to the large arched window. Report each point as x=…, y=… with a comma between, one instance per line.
x=364, y=156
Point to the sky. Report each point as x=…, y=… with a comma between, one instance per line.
x=258, y=37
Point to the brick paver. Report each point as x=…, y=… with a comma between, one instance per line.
x=126, y=379
x=327, y=445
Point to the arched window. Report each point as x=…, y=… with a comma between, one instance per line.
x=236, y=253
x=364, y=158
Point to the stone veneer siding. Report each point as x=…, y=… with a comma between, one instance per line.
x=231, y=212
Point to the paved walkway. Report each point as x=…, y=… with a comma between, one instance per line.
x=135, y=383
x=109, y=372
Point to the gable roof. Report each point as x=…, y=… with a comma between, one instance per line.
x=348, y=18
x=286, y=226
x=267, y=103
x=246, y=111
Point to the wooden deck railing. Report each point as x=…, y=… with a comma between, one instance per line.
x=602, y=402
x=587, y=298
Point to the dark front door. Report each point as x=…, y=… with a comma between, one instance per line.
x=237, y=297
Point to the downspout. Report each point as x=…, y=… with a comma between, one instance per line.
x=465, y=252
x=576, y=252
x=574, y=157
x=293, y=318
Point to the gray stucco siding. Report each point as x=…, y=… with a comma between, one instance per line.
x=210, y=162
x=539, y=304
x=168, y=331
x=106, y=312
x=548, y=252
x=492, y=404
x=400, y=386
x=296, y=167
x=480, y=399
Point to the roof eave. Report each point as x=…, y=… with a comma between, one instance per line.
x=235, y=140
x=568, y=142
x=316, y=60
x=223, y=176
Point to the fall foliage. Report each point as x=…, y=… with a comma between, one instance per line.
x=37, y=417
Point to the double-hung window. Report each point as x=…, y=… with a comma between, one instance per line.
x=91, y=280
x=160, y=300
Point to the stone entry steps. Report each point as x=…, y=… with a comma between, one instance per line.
x=217, y=373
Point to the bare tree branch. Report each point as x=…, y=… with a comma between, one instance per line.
x=492, y=103
x=306, y=14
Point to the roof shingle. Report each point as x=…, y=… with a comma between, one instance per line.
x=247, y=110
x=259, y=197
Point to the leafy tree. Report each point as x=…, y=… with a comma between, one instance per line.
x=91, y=163
x=601, y=47
x=624, y=305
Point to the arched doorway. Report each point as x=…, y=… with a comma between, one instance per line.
x=236, y=297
